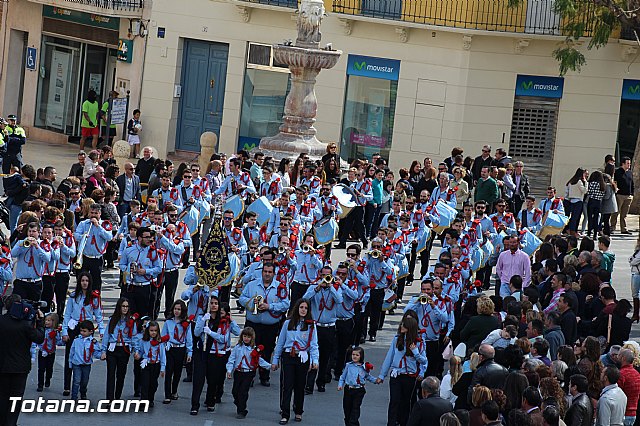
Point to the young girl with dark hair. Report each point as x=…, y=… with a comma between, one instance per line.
x=152, y=356
x=179, y=344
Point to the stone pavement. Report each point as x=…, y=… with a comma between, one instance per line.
x=263, y=406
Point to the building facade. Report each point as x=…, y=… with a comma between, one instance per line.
x=416, y=78
x=55, y=51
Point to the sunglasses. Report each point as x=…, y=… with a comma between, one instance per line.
x=352, y=255
x=228, y=218
x=187, y=177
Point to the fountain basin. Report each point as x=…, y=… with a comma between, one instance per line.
x=301, y=57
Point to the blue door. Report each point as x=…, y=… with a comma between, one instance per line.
x=204, y=73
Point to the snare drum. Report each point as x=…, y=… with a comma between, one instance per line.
x=325, y=231
x=346, y=197
x=235, y=204
x=262, y=207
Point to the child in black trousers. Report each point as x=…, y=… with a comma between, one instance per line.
x=353, y=377
x=47, y=351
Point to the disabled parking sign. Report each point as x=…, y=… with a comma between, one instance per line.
x=30, y=62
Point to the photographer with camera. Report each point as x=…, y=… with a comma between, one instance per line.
x=22, y=325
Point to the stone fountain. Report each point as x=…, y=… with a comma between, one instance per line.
x=305, y=60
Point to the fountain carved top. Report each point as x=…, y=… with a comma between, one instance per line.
x=310, y=17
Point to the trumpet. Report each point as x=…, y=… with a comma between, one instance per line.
x=257, y=301
x=306, y=248
x=375, y=254
x=424, y=299
x=328, y=279
x=282, y=250
x=26, y=243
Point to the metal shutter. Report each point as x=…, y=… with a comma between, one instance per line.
x=533, y=136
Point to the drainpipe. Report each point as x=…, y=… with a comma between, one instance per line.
x=5, y=12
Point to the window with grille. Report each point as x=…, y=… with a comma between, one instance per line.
x=533, y=128
x=261, y=56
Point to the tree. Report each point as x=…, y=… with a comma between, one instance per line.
x=597, y=19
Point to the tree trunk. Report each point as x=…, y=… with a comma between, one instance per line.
x=635, y=167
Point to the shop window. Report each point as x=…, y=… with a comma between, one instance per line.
x=369, y=111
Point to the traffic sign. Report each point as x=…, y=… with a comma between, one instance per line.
x=32, y=58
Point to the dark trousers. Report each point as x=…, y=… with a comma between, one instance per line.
x=156, y=296
x=266, y=336
x=170, y=280
x=11, y=385
x=593, y=213
x=351, y=402
x=434, y=354
x=401, y=395
x=137, y=376
x=326, y=345
x=94, y=267
x=60, y=289
x=575, y=210
x=28, y=290
x=425, y=255
x=216, y=371
x=48, y=285
x=111, y=254
x=45, y=367
x=240, y=391
x=359, y=328
x=173, y=370
x=140, y=296
x=605, y=225
x=400, y=287
x=297, y=291
x=293, y=377
x=412, y=262
x=375, y=222
x=354, y=222
x=344, y=339
x=374, y=310
x=149, y=378
x=198, y=374
x=484, y=275
x=67, y=349
x=117, y=362
x=368, y=219
x=224, y=295
x=195, y=240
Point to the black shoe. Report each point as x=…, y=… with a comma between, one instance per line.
x=308, y=391
x=166, y=401
x=340, y=246
x=66, y=393
x=174, y=396
x=152, y=404
x=47, y=383
x=363, y=340
x=626, y=232
x=40, y=389
x=284, y=421
x=265, y=383
x=194, y=412
x=321, y=388
x=241, y=415
x=211, y=409
x=372, y=338
x=188, y=379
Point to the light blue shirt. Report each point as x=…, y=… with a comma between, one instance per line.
x=277, y=298
x=378, y=271
x=240, y=359
x=174, y=251
x=179, y=335
x=439, y=193
x=146, y=258
x=122, y=336
x=76, y=310
x=153, y=353
x=30, y=261
x=220, y=337
x=398, y=362
x=66, y=254
x=323, y=303
x=430, y=319
x=97, y=240
x=345, y=310
x=84, y=350
x=309, y=265
x=298, y=339
x=354, y=375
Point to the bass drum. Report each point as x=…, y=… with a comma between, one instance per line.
x=236, y=205
x=346, y=197
x=325, y=231
x=261, y=207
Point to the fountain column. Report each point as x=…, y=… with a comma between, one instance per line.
x=297, y=134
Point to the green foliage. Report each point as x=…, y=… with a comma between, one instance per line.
x=569, y=58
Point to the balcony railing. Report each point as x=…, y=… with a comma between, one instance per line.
x=281, y=3
x=532, y=16
x=114, y=8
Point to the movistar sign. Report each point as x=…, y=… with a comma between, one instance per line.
x=539, y=86
x=368, y=66
x=631, y=90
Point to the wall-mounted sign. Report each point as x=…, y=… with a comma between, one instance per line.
x=125, y=50
x=161, y=32
x=369, y=66
x=118, y=111
x=32, y=58
x=81, y=17
x=631, y=90
x=539, y=86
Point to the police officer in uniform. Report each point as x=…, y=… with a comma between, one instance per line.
x=16, y=137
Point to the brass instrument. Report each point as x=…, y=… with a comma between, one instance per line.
x=328, y=279
x=306, y=248
x=26, y=243
x=282, y=250
x=257, y=301
x=133, y=268
x=197, y=287
x=375, y=254
x=81, y=245
x=424, y=299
